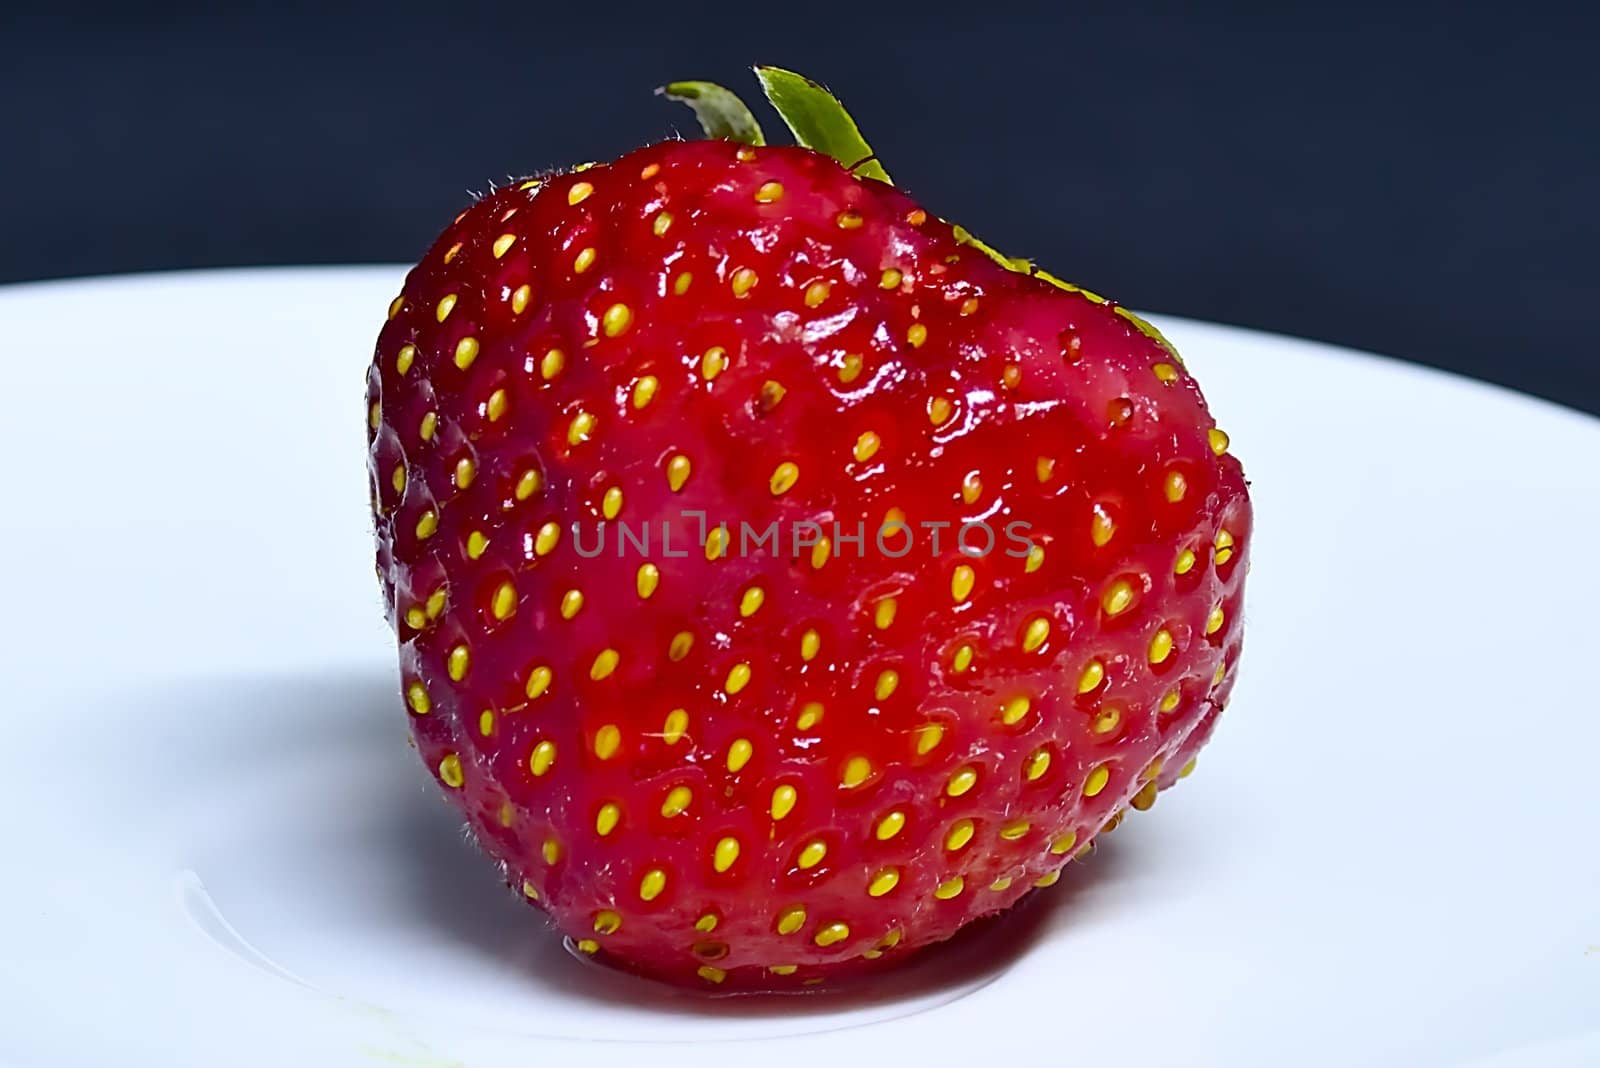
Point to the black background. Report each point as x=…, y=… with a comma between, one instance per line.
x=1415, y=181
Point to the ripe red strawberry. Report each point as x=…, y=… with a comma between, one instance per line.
x=723, y=760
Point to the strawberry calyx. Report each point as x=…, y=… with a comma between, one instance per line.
x=723, y=116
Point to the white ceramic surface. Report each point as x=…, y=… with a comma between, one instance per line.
x=218, y=849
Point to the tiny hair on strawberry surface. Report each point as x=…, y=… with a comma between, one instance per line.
x=784, y=578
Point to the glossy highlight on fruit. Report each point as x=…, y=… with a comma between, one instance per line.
x=784, y=579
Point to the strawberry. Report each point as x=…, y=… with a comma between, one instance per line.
x=783, y=578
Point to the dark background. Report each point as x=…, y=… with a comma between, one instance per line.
x=1415, y=181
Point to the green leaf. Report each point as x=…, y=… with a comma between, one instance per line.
x=721, y=113
x=818, y=121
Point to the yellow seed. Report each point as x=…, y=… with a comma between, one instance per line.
x=498, y=403
x=1170, y=700
x=1011, y=376
x=1096, y=781
x=1101, y=526
x=651, y=885
x=929, y=735
x=1038, y=630
x=1224, y=547
x=738, y=678
x=1215, y=620
x=916, y=335
x=578, y=192
x=713, y=362
x=430, y=423
x=647, y=579
x=1218, y=441
x=466, y=471
x=791, y=919
x=397, y=305
x=528, y=483
x=939, y=410
x=1035, y=559
x=398, y=479
x=962, y=781
x=960, y=834
x=531, y=891
x=650, y=171
x=963, y=659
x=783, y=969
x=1184, y=563
x=866, y=446
x=961, y=583
x=551, y=364
x=680, y=645
x=812, y=854
x=644, y=391
x=1188, y=769
x=571, y=603
x=503, y=243
x=857, y=770
x=1222, y=669
x=1047, y=880
x=1044, y=467
x=890, y=279
x=750, y=603
x=416, y=618
x=831, y=934
x=405, y=358
x=1145, y=798
x=466, y=352
x=739, y=753
x=680, y=284
x=971, y=487
x=374, y=415
x=816, y=293
x=457, y=662
x=784, y=476
x=427, y=524
x=1106, y=720
x=450, y=771
x=883, y=882
x=1160, y=646
x=888, y=681
x=604, y=664
x=1001, y=884
x=707, y=923
x=849, y=220
x=821, y=553
x=890, y=825
x=587, y=945
x=544, y=543
x=616, y=320
x=850, y=369
x=1094, y=672
x=445, y=307
x=810, y=645
x=580, y=429
x=663, y=221
x=1063, y=843
x=744, y=280
x=883, y=614
x=673, y=728
x=606, y=820
x=538, y=682
x=486, y=723
x=606, y=741
x=1013, y=710
x=677, y=472
x=677, y=801
x=1175, y=486
x=950, y=888
x=1015, y=829
x=769, y=192
x=544, y=755
x=1118, y=598
x=1165, y=372
x=520, y=299
x=476, y=544
x=1038, y=764
x=607, y=922
x=726, y=852
x=810, y=716
x=783, y=801
x=611, y=503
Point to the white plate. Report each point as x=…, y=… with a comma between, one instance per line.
x=218, y=849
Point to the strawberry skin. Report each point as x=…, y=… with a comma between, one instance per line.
x=757, y=763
